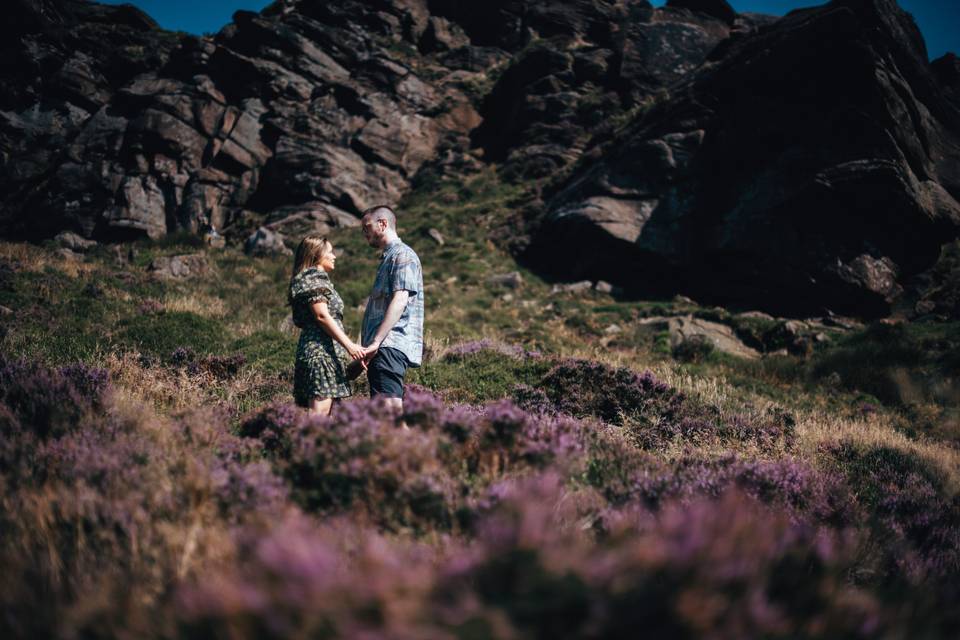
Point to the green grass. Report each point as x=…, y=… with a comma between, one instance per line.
x=271, y=352
x=480, y=377
x=898, y=364
x=161, y=334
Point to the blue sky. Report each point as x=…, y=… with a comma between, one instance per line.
x=938, y=19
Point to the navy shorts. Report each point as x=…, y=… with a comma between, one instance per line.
x=386, y=371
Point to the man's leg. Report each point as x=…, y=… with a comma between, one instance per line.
x=385, y=374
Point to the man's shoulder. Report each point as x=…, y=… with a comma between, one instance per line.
x=405, y=253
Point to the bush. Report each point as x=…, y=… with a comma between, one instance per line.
x=913, y=516
x=50, y=401
x=694, y=350
x=583, y=388
x=724, y=567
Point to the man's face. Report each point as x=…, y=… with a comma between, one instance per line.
x=374, y=231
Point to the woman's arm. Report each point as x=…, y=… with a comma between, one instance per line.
x=322, y=314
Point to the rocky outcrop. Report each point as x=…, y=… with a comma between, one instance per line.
x=116, y=129
x=810, y=166
x=585, y=64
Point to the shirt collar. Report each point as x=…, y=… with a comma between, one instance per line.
x=393, y=245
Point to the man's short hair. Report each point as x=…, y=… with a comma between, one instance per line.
x=382, y=212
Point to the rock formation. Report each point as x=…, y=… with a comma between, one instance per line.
x=810, y=166
x=117, y=129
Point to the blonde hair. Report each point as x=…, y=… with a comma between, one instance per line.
x=311, y=251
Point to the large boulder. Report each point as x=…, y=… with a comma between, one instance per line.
x=812, y=166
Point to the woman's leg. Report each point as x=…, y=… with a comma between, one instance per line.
x=320, y=406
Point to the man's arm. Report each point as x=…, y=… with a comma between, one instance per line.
x=394, y=310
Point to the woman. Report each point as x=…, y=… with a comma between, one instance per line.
x=320, y=375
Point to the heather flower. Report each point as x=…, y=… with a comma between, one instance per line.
x=274, y=426
x=582, y=388
x=533, y=400
x=913, y=515
x=421, y=407
x=181, y=356
x=472, y=347
x=459, y=422
x=51, y=401
x=224, y=367
x=151, y=307
x=358, y=459
x=244, y=489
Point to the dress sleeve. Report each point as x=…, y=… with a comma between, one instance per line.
x=311, y=286
x=406, y=273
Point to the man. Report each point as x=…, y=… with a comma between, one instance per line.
x=392, y=330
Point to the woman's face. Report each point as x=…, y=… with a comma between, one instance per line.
x=329, y=260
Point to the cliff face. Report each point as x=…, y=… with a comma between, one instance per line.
x=793, y=164
x=810, y=166
x=117, y=129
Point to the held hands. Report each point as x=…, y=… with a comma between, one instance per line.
x=357, y=353
x=370, y=351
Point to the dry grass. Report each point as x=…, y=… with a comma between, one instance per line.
x=818, y=427
x=168, y=391
x=33, y=258
x=198, y=303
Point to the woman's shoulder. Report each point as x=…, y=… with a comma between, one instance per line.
x=312, y=274
x=310, y=279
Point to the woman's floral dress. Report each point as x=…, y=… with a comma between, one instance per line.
x=320, y=370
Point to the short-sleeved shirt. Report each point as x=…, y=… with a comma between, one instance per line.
x=399, y=269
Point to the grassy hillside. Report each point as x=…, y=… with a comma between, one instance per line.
x=157, y=481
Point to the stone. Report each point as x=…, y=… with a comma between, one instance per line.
x=297, y=221
x=512, y=280
x=74, y=242
x=612, y=330
x=442, y=35
x=755, y=315
x=141, y=208
x=134, y=132
x=572, y=287
x=179, y=267
x=604, y=287
x=689, y=328
x=436, y=236
x=5, y=311
x=720, y=336
x=263, y=242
